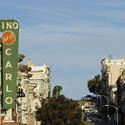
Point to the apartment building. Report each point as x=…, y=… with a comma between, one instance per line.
x=112, y=69
x=36, y=86
x=41, y=77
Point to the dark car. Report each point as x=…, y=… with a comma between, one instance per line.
x=93, y=118
x=87, y=118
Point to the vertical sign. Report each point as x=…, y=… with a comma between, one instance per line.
x=9, y=38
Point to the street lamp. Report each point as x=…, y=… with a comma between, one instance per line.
x=116, y=108
x=107, y=100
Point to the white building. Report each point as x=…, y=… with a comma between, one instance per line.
x=36, y=87
x=40, y=76
x=112, y=68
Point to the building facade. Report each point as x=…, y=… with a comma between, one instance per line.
x=111, y=70
x=41, y=77
x=36, y=87
x=121, y=97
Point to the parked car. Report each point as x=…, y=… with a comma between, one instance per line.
x=93, y=118
x=86, y=109
x=90, y=109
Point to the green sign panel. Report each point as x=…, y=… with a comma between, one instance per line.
x=10, y=39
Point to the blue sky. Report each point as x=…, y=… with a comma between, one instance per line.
x=71, y=36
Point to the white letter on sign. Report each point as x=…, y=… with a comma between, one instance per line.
x=15, y=25
x=9, y=100
x=8, y=53
x=9, y=25
x=7, y=89
x=8, y=64
x=8, y=76
x=2, y=25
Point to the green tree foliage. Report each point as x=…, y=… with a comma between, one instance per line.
x=22, y=67
x=20, y=57
x=95, y=84
x=56, y=91
x=59, y=111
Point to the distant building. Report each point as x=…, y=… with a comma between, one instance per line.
x=36, y=86
x=112, y=69
x=40, y=76
x=113, y=75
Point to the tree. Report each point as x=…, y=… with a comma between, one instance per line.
x=56, y=91
x=59, y=111
x=95, y=84
x=20, y=57
x=22, y=67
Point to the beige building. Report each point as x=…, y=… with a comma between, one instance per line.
x=41, y=77
x=112, y=69
x=36, y=86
